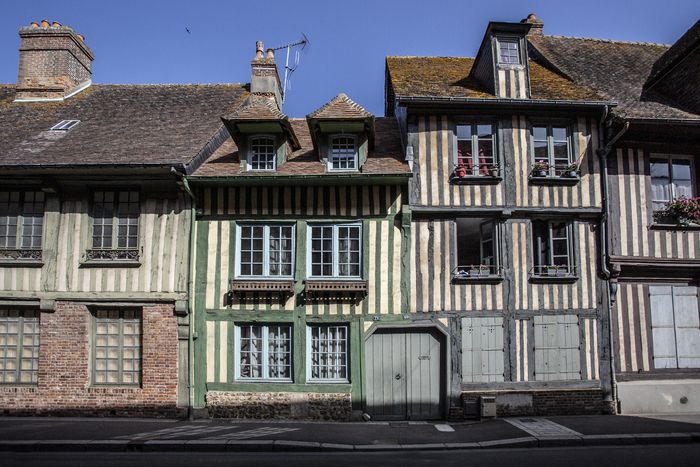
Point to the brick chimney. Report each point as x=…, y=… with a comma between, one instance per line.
x=265, y=80
x=536, y=24
x=54, y=62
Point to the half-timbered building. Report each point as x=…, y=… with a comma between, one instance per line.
x=651, y=188
x=94, y=233
x=300, y=245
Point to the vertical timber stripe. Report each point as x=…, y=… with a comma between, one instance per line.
x=591, y=368
x=632, y=328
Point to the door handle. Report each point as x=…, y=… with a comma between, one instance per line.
x=398, y=376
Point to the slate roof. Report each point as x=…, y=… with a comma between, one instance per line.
x=341, y=107
x=678, y=50
x=120, y=125
x=616, y=70
x=385, y=158
x=449, y=77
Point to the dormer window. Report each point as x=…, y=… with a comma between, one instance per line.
x=508, y=49
x=262, y=154
x=343, y=153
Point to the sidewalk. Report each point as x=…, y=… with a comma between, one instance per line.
x=108, y=434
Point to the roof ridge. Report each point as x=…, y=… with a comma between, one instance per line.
x=167, y=84
x=612, y=41
x=428, y=56
x=342, y=97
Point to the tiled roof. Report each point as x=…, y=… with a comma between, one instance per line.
x=449, y=77
x=616, y=70
x=119, y=125
x=256, y=108
x=681, y=47
x=341, y=107
x=385, y=158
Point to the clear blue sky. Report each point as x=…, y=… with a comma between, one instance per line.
x=146, y=42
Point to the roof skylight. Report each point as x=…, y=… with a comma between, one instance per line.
x=64, y=125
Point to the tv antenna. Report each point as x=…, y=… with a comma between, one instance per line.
x=288, y=70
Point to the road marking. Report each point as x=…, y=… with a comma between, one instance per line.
x=444, y=428
x=178, y=432
x=255, y=433
x=541, y=427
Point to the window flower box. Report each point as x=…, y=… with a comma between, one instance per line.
x=540, y=169
x=681, y=211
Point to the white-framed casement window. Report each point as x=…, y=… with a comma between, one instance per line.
x=478, y=252
x=508, y=50
x=21, y=220
x=476, y=149
x=116, y=350
x=672, y=177
x=19, y=346
x=263, y=352
x=551, y=145
x=327, y=353
x=265, y=250
x=261, y=153
x=342, y=152
x=336, y=251
x=552, y=248
x=115, y=220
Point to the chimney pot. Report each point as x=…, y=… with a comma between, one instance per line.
x=34, y=24
x=56, y=24
x=536, y=24
x=81, y=37
x=44, y=23
x=259, y=47
x=270, y=53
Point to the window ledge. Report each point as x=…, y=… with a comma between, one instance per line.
x=480, y=279
x=551, y=180
x=112, y=263
x=657, y=226
x=554, y=279
x=115, y=389
x=476, y=180
x=334, y=382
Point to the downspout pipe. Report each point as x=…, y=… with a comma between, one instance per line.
x=603, y=152
x=190, y=286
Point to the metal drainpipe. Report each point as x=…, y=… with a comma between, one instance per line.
x=604, y=231
x=190, y=329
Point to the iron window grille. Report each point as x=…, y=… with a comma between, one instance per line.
x=264, y=352
x=336, y=251
x=116, y=357
x=265, y=251
x=343, y=153
x=21, y=224
x=262, y=154
x=328, y=353
x=19, y=346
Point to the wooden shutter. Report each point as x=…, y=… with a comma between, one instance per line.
x=687, y=321
x=662, y=327
x=482, y=350
x=557, y=354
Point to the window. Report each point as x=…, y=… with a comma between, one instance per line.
x=675, y=326
x=117, y=347
x=550, y=144
x=64, y=125
x=477, y=248
x=19, y=346
x=671, y=178
x=553, y=253
x=266, y=250
x=557, y=354
x=21, y=220
x=482, y=350
x=328, y=353
x=264, y=352
x=335, y=250
x=508, y=51
x=115, y=220
x=262, y=155
x=475, y=149
x=343, y=153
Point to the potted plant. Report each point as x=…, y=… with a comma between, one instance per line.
x=551, y=270
x=571, y=171
x=494, y=170
x=540, y=168
x=460, y=170
x=684, y=211
x=478, y=270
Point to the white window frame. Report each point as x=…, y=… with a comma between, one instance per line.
x=64, y=125
x=266, y=251
x=309, y=256
x=356, y=157
x=552, y=170
x=571, y=263
x=251, y=139
x=510, y=40
x=474, y=126
x=309, y=360
x=265, y=353
x=669, y=159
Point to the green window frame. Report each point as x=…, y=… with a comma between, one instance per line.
x=19, y=346
x=116, y=347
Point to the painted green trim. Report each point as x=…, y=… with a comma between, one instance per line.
x=200, y=344
x=280, y=387
x=275, y=179
x=365, y=261
x=341, y=127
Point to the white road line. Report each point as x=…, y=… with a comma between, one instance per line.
x=541, y=427
x=177, y=432
x=255, y=433
x=444, y=428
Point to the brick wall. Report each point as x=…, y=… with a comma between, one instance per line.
x=64, y=386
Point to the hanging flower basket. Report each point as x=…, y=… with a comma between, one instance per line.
x=683, y=211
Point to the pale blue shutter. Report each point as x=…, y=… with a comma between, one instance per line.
x=482, y=350
x=557, y=344
x=662, y=327
x=569, y=347
x=685, y=311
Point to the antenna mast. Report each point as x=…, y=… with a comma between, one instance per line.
x=304, y=42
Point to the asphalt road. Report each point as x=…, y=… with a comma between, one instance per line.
x=633, y=456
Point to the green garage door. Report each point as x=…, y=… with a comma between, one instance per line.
x=404, y=375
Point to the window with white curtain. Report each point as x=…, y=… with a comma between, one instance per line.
x=671, y=178
x=336, y=250
x=328, y=353
x=264, y=352
x=265, y=250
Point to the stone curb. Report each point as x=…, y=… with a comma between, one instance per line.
x=214, y=445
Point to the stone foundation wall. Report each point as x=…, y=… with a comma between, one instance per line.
x=64, y=386
x=281, y=405
x=545, y=403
